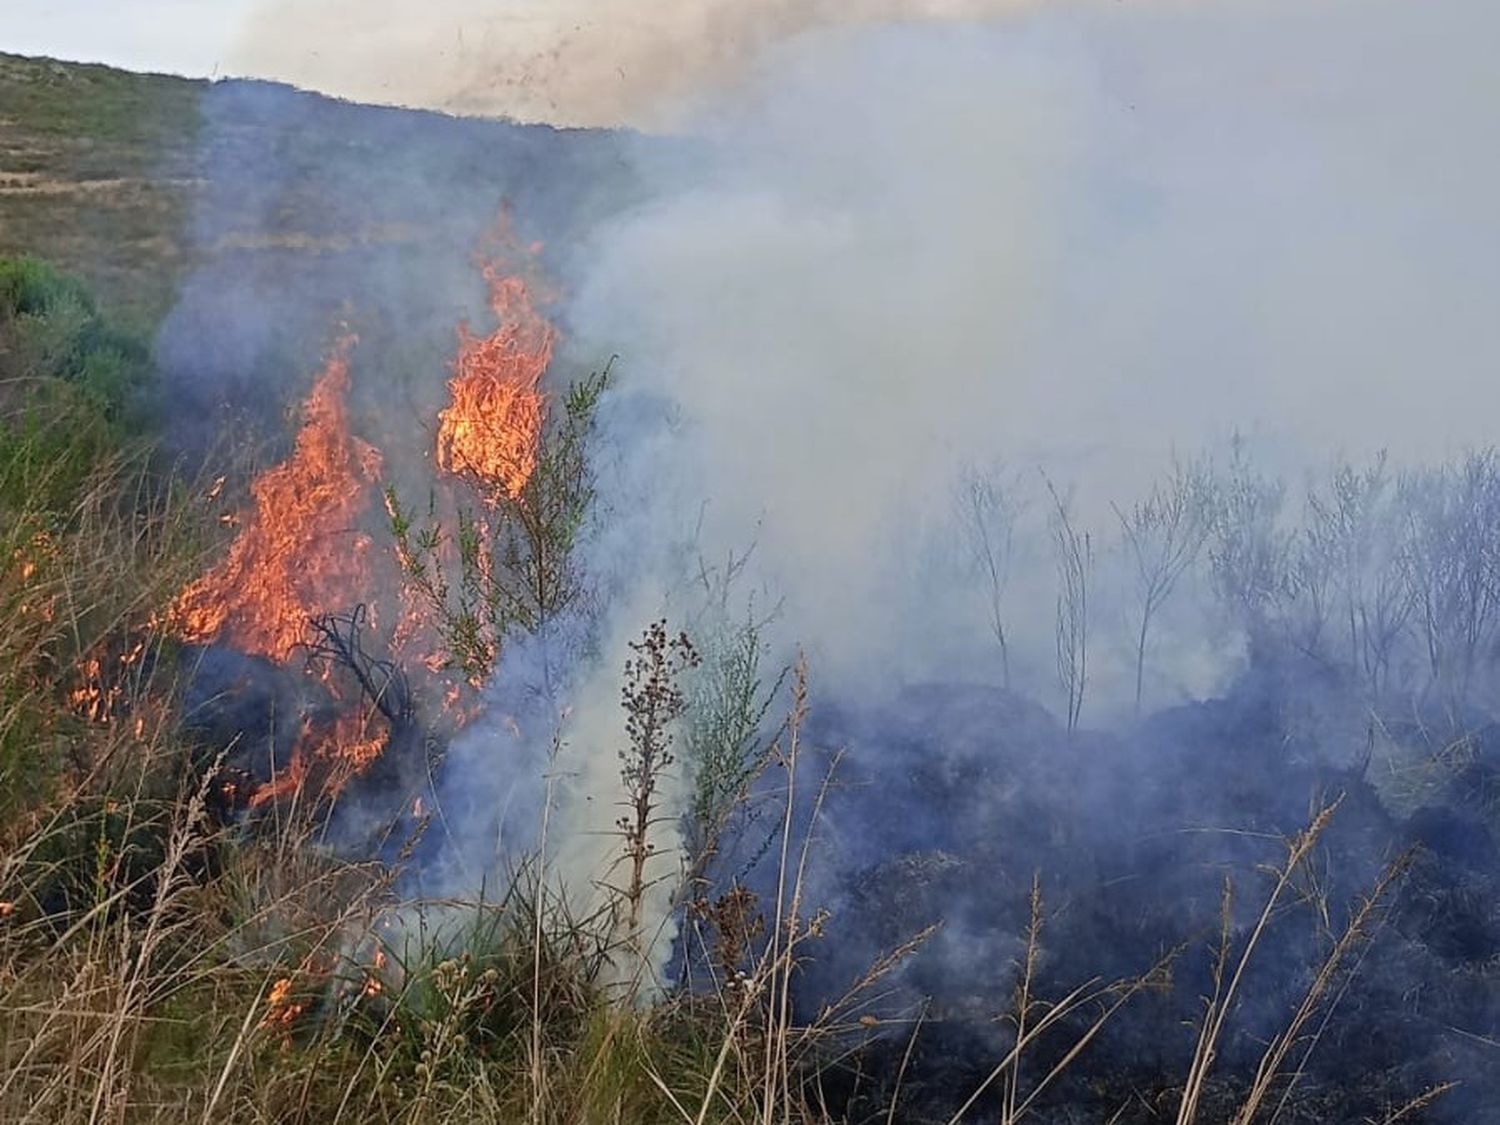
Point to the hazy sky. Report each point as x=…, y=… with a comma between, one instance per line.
x=191, y=37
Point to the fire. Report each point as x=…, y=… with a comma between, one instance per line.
x=373, y=985
x=281, y=1010
x=28, y=575
x=495, y=418
x=336, y=752
x=297, y=554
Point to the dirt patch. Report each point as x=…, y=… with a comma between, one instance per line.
x=36, y=183
x=383, y=235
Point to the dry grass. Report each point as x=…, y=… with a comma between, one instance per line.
x=158, y=964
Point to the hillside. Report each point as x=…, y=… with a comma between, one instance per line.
x=98, y=170
x=103, y=172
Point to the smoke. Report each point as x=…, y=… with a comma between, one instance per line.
x=885, y=249
x=1072, y=241
x=575, y=62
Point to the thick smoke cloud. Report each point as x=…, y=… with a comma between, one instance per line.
x=1075, y=241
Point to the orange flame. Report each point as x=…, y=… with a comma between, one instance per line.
x=492, y=426
x=293, y=557
x=296, y=553
x=327, y=756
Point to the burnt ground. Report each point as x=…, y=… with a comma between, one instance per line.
x=949, y=799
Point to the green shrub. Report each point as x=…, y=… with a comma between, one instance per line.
x=51, y=329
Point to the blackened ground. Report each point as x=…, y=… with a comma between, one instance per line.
x=245, y=716
x=949, y=798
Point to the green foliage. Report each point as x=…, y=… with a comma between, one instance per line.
x=50, y=328
x=730, y=693
x=69, y=100
x=70, y=385
x=92, y=540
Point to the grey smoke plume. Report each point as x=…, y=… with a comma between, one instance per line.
x=1072, y=240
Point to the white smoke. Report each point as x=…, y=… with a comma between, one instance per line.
x=1074, y=240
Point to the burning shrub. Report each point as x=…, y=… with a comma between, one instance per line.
x=508, y=563
x=295, y=554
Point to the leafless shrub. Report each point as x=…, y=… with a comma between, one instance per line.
x=1248, y=548
x=989, y=504
x=1353, y=543
x=653, y=700
x=1074, y=554
x=1163, y=535
x=1452, y=566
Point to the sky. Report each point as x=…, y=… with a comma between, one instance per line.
x=191, y=37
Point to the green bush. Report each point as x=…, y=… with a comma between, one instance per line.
x=51, y=329
x=92, y=538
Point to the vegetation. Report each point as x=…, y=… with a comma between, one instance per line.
x=122, y=144
x=160, y=960
x=88, y=536
x=503, y=562
x=165, y=958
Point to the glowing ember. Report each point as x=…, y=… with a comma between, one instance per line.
x=373, y=986
x=297, y=554
x=30, y=572
x=492, y=425
x=284, y=1007
x=281, y=1010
